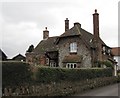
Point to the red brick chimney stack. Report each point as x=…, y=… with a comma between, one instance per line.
x=96, y=25
x=45, y=33
x=66, y=24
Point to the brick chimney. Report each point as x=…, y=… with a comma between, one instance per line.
x=77, y=24
x=96, y=25
x=45, y=33
x=97, y=44
x=66, y=24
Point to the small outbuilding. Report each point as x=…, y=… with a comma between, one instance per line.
x=19, y=57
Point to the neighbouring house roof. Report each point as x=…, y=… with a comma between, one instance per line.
x=116, y=51
x=72, y=59
x=19, y=57
x=2, y=55
x=46, y=45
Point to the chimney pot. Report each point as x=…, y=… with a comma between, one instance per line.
x=45, y=33
x=46, y=28
x=66, y=24
x=78, y=24
x=95, y=10
x=96, y=25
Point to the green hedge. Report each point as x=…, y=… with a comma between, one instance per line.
x=19, y=73
x=46, y=75
x=15, y=73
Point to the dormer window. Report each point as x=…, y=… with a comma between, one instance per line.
x=73, y=47
x=109, y=51
x=103, y=48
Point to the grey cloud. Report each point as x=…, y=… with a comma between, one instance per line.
x=23, y=22
x=29, y=11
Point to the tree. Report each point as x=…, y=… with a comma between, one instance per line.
x=31, y=48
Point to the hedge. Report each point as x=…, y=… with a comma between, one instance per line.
x=46, y=75
x=19, y=73
x=15, y=73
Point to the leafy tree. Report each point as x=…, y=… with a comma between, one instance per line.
x=31, y=48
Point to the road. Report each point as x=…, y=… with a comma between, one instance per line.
x=111, y=90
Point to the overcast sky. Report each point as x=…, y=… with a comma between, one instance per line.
x=22, y=21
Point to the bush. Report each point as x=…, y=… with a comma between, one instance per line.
x=108, y=64
x=19, y=73
x=47, y=75
x=15, y=73
x=118, y=79
x=118, y=71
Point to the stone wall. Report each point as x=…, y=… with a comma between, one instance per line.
x=64, y=88
x=64, y=46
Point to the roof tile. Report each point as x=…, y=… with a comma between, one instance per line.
x=116, y=51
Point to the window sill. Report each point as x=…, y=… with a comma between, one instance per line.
x=73, y=52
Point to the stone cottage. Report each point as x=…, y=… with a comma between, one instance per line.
x=75, y=48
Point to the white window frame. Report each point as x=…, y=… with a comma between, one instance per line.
x=73, y=47
x=47, y=61
x=71, y=65
x=52, y=64
x=109, y=51
x=104, y=48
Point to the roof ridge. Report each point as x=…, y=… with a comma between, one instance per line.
x=87, y=31
x=78, y=29
x=53, y=36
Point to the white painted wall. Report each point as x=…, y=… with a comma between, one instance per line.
x=117, y=58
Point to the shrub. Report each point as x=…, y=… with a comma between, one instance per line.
x=118, y=71
x=46, y=75
x=15, y=73
x=19, y=73
x=108, y=64
x=118, y=79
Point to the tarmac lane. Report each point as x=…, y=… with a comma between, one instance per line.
x=110, y=90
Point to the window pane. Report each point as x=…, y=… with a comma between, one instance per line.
x=68, y=65
x=73, y=47
x=71, y=65
x=74, y=65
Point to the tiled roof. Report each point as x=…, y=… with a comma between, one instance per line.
x=73, y=58
x=46, y=45
x=71, y=32
x=19, y=56
x=50, y=44
x=116, y=51
x=87, y=37
x=2, y=54
x=78, y=31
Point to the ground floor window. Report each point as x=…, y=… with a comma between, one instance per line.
x=47, y=61
x=52, y=64
x=71, y=65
